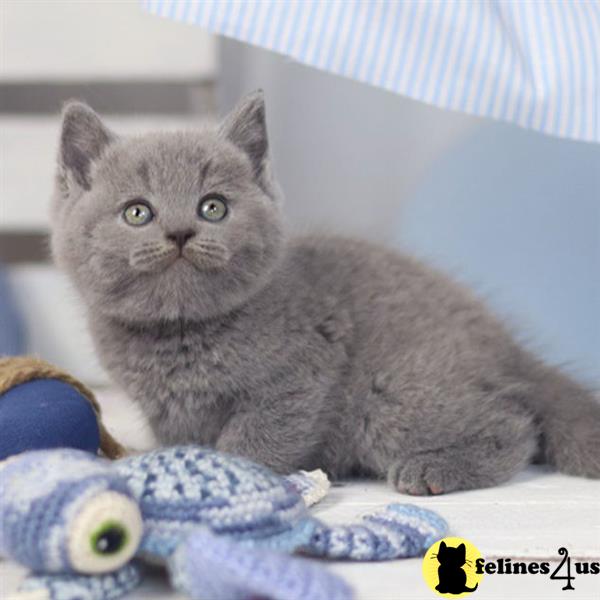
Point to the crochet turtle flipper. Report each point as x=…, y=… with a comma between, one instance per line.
x=398, y=531
x=313, y=486
x=109, y=586
x=220, y=568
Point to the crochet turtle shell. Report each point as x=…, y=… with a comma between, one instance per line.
x=179, y=488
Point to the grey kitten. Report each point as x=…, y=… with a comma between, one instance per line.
x=301, y=353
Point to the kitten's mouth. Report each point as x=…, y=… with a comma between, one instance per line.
x=157, y=257
x=206, y=255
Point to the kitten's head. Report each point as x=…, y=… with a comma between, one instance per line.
x=450, y=556
x=166, y=225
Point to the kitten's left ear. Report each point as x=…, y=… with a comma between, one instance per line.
x=246, y=127
x=83, y=139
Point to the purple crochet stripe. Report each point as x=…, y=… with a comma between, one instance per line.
x=261, y=574
x=412, y=539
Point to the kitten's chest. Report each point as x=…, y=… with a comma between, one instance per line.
x=188, y=363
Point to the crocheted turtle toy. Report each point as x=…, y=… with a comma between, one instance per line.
x=223, y=526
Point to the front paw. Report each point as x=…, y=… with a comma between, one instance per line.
x=427, y=476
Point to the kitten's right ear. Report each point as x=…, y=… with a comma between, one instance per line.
x=83, y=139
x=442, y=545
x=246, y=127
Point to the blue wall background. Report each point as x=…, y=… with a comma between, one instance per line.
x=517, y=216
x=514, y=214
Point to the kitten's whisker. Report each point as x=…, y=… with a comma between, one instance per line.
x=209, y=249
x=150, y=257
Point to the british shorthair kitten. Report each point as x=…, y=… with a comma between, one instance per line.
x=297, y=353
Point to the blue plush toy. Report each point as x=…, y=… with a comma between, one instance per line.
x=43, y=407
x=223, y=526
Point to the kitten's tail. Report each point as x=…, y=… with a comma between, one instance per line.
x=569, y=421
x=471, y=589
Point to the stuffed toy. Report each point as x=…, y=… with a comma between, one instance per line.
x=44, y=407
x=224, y=527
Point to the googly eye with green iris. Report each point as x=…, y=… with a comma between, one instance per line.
x=105, y=534
x=109, y=538
x=212, y=207
x=138, y=213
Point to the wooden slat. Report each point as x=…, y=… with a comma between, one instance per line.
x=149, y=96
x=23, y=247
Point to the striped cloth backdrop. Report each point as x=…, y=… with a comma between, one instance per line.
x=534, y=63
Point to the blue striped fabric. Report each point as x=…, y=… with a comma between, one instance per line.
x=534, y=63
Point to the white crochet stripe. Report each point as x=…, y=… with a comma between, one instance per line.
x=313, y=486
x=536, y=64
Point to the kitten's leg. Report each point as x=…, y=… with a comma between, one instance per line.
x=470, y=464
x=284, y=434
x=490, y=442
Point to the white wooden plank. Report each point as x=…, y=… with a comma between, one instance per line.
x=109, y=40
x=55, y=321
x=396, y=580
x=28, y=147
x=393, y=580
x=125, y=420
x=530, y=516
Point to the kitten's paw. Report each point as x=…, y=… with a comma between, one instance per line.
x=426, y=476
x=408, y=477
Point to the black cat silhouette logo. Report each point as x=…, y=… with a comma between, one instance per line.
x=449, y=567
x=453, y=579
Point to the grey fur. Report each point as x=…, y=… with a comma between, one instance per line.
x=302, y=353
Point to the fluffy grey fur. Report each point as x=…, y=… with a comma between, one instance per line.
x=302, y=353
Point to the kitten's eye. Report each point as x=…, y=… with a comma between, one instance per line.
x=138, y=213
x=212, y=208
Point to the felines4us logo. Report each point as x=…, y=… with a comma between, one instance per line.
x=453, y=567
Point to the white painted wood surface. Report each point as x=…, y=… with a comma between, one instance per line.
x=529, y=517
x=109, y=40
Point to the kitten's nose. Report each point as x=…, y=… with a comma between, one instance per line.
x=181, y=237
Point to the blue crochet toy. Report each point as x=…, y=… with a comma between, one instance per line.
x=223, y=526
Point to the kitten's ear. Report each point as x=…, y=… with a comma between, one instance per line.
x=442, y=545
x=83, y=138
x=246, y=127
x=462, y=549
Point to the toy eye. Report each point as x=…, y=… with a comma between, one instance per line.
x=109, y=538
x=105, y=534
x=138, y=213
x=212, y=208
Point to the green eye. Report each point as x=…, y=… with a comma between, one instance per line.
x=212, y=208
x=110, y=538
x=138, y=213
